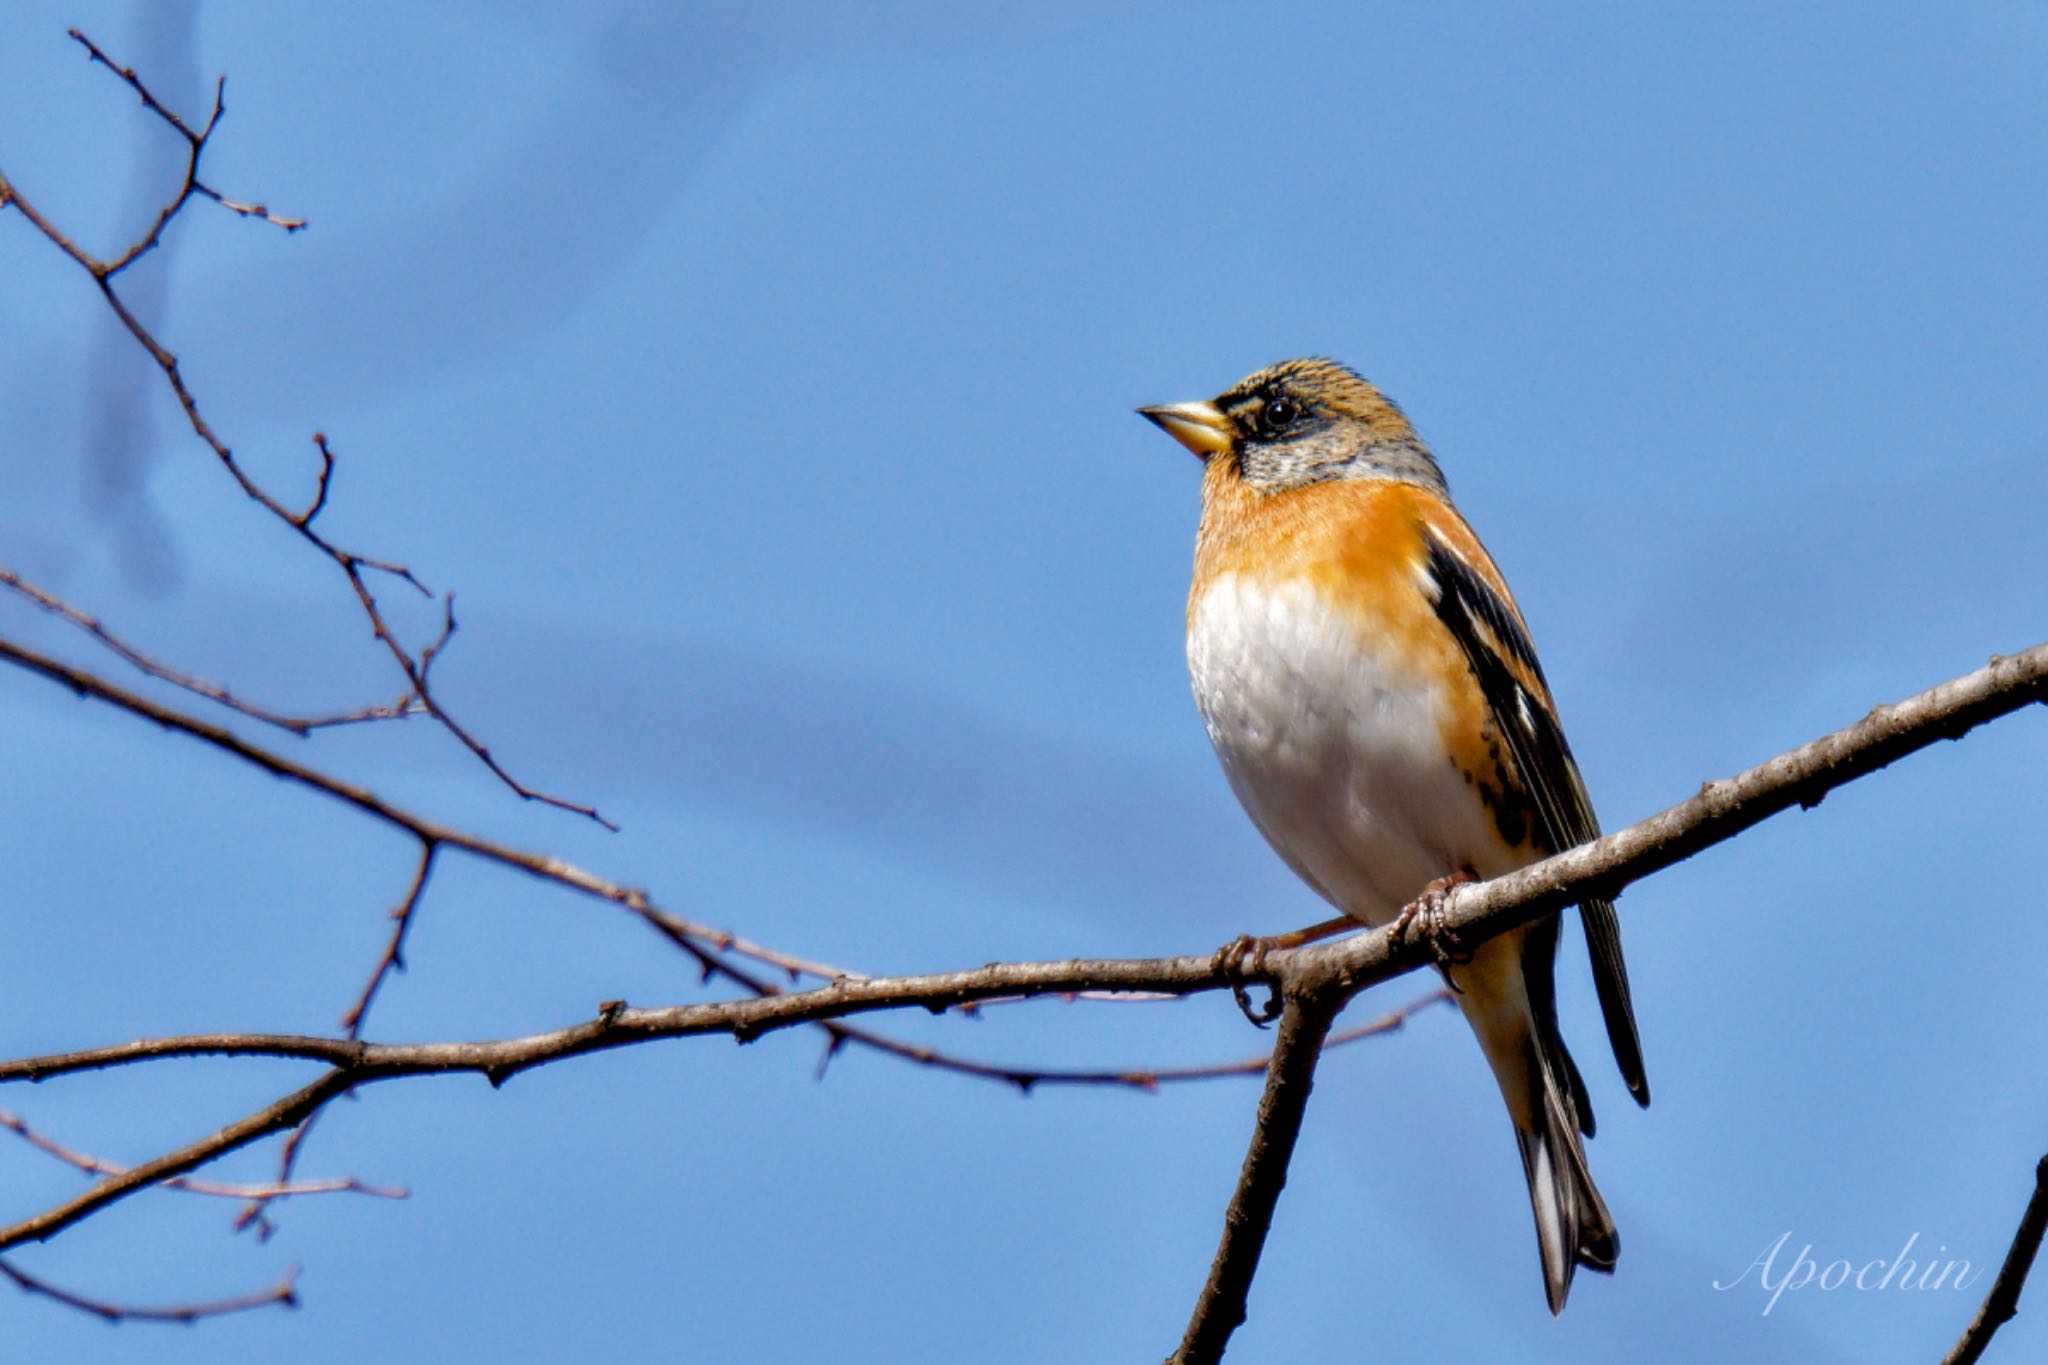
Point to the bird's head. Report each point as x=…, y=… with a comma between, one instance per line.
x=1302, y=422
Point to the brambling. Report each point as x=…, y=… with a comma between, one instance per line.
x=1369, y=686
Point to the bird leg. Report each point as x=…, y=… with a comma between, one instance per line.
x=1244, y=957
x=1425, y=915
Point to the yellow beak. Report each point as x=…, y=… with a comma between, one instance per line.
x=1201, y=427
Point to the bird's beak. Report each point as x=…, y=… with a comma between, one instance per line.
x=1201, y=427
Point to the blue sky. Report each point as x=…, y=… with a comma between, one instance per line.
x=763, y=383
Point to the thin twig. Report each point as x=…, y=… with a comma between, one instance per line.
x=272, y=1118
x=195, y=148
x=134, y=82
x=1391, y=1022
x=214, y=692
x=2002, y=1302
x=247, y=210
x=284, y=1294
x=94, y=1165
x=351, y=563
x=617, y=1025
x=313, y=509
x=257, y=1211
x=393, y=959
x=434, y=646
x=89, y=685
x=1147, y=1079
x=1220, y=1307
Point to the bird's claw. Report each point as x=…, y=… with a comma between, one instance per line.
x=1241, y=960
x=1424, y=917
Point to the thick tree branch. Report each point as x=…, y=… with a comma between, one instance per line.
x=1220, y=1308
x=618, y=1025
x=2002, y=1302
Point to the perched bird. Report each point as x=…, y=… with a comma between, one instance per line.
x=1369, y=686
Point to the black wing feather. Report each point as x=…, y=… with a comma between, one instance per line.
x=1485, y=627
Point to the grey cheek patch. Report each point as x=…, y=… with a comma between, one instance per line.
x=1324, y=456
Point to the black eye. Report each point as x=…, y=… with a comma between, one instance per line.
x=1279, y=412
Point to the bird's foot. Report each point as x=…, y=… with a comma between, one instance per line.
x=1243, y=960
x=1424, y=917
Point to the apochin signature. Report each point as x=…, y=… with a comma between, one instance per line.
x=1900, y=1272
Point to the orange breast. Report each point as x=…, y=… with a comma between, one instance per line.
x=1358, y=540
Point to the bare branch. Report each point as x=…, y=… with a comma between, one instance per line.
x=434, y=646
x=195, y=148
x=214, y=692
x=2002, y=1302
x=1393, y=1021
x=351, y=563
x=284, y=1293
x=272, y=1118
x=247, y=210
x=93, y=1165
x=1147, y=1079
x=134, y=82
x=305, y=518
x=393, y=959
x=356, y=1064
x=617, y=1025
x=257, y=1211
x=1220, y=1307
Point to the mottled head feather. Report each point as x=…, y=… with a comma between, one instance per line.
x=1319, y=380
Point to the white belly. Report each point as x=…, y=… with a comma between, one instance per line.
x=1338, y=759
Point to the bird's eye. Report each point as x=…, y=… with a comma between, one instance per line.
x=1279, y=412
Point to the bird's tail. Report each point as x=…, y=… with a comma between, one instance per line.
x=1505, y=993
x=1573, y=1227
